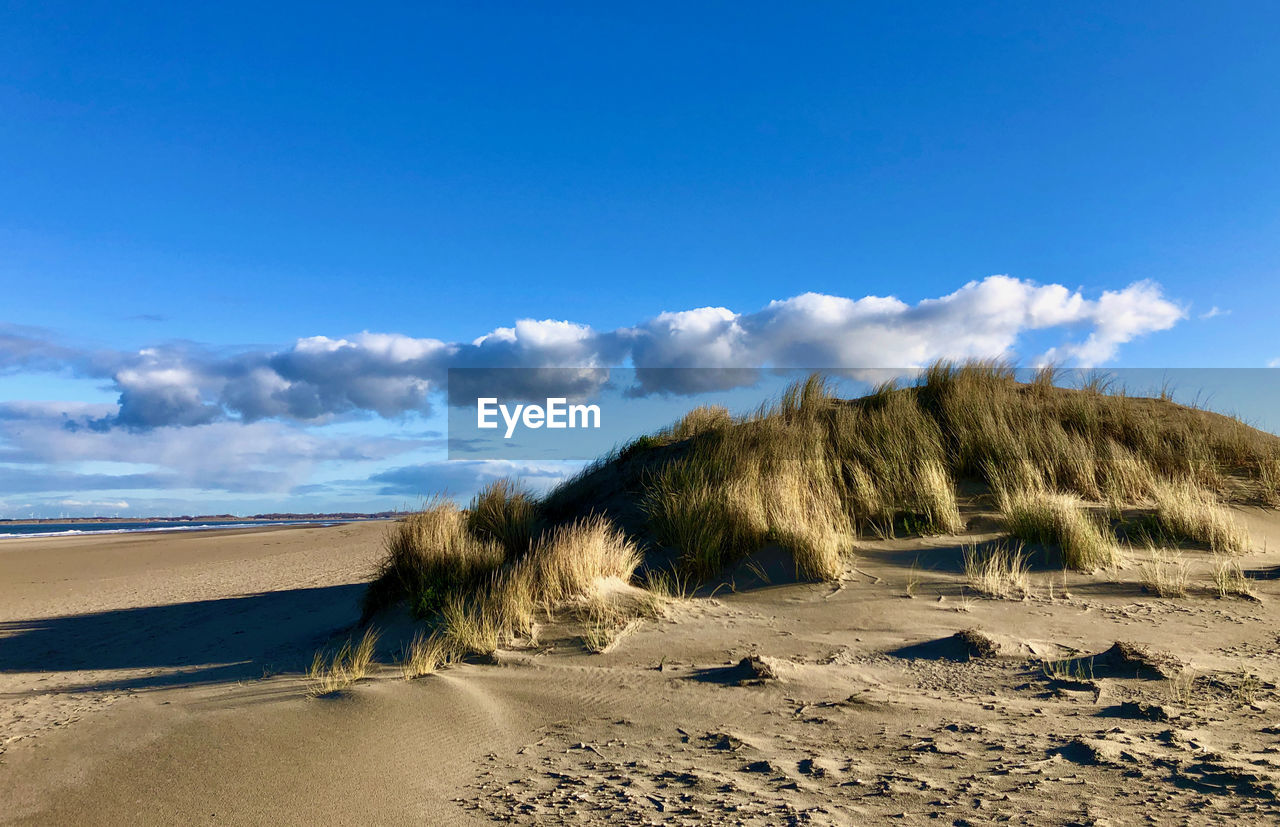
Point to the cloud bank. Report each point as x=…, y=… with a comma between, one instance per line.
x=293, y=422
x=390, y=374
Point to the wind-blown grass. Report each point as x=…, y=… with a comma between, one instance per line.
x=424, y=654
x=349, y=663
x=568, y=563
x=997, y=570
x=430, y=555
x=1036, y=515
x=506, y=514
x=1165, y=574
x=805, y=474
x=1229, y=578
x=1186, y=511
x=478, y=596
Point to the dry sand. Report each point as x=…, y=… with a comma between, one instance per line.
x=157, y=679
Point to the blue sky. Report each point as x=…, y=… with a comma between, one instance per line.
x=190, y=195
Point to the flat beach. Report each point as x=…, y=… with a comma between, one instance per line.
x=160, y=678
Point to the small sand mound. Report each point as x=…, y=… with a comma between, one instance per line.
x=757, y=668
x=1130, y=660
x=966, y=645
x=1123, y=660
x=1139, y=711
x=1090, y=752
x=753, y=670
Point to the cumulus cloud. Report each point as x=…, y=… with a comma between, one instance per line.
x=1120, y=316
x=390, y=374
x=241, y=420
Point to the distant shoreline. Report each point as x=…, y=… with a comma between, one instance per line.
x=212, y=518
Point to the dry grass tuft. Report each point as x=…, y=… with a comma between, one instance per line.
x=606, y=623
x=599, y=638
x=1186, y=511
x=1245, y=688
x=1165, y=574
x=669, y=585
x=1269, y=482
x=425, y=654
x=998, y=570
x=350, y=663
x=1126, y=478
x=430, y=555
x=1036, y=515
x=700, y=420
x=806, y=520
x=574, y=557
x=506, y=514
x=500, y=612
x=1229, y=579
x=568, y=563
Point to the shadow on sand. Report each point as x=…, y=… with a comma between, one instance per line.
x=202, y=641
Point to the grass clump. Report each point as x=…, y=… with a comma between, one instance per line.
x=502, y=610
x=454, y=570
x=349, y=663
x=1229, y=578
x=430, y=555
x=566, y=564
x=1036, y=515
x=1245, y=687
x=702, y=419
x=716, y=511
x=997, y=570
x=894, y=469
x=606, y=623
x=1165, y=574
x=1186, y=511
x=425, y=654
x=572, y=558
x=807, y=473
x=506, y=514
x=1071, y=670
x=599, y=638
x=1097, y=439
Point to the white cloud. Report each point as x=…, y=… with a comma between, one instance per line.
x=389, y=374
x=192, y=417
x=1214, y=312
x=1117, y=317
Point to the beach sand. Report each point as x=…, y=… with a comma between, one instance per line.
x=158, y=679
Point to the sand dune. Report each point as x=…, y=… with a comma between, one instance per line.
x=158, y=679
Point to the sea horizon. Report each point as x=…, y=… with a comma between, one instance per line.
x=71, y=528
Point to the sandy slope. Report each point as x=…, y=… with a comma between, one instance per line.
x=132, y=691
